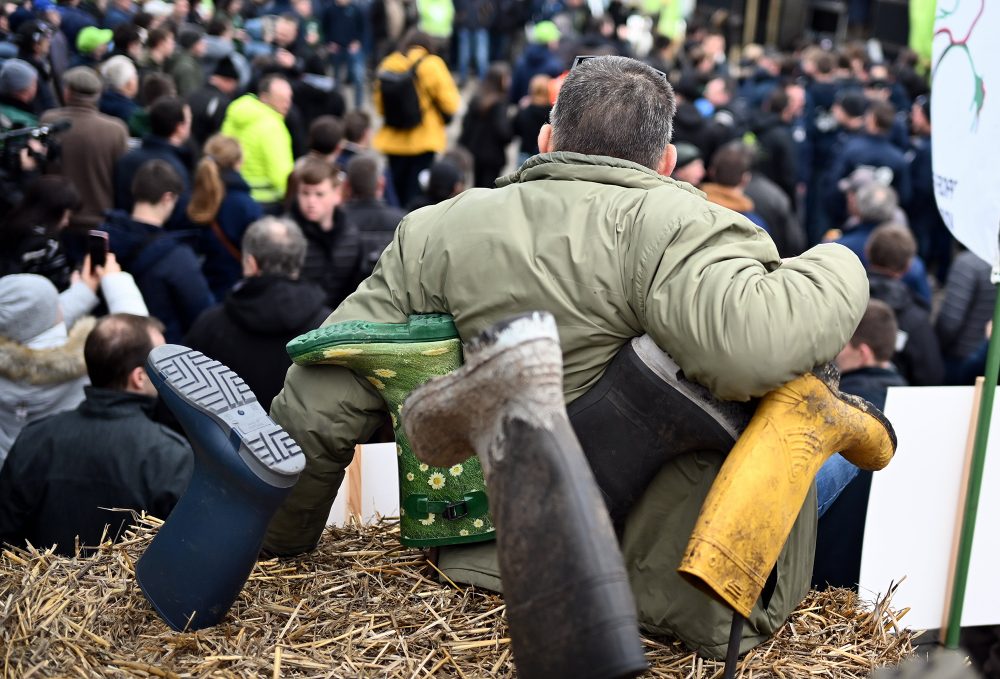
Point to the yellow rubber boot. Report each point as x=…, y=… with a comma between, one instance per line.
x=760, y=489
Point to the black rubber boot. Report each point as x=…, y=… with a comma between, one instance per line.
x=245, y=465
x=569, y=603
x=641, y=413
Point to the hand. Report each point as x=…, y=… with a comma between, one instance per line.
x=354, y=47
x=111, y=266
x=284, y=58
x=87, y=276
x=28, y=163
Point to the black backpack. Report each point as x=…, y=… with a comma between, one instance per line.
x=400, y=99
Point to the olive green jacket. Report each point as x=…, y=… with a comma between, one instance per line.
x=613, y=251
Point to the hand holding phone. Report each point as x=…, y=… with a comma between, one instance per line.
x=97, y=248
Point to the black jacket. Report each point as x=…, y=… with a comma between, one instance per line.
x=107, y=453
x=248, y=332
x=208, y=109
x=377, y=223
x=333, y=258
x=919, y=358
x=486, y=132
x=777, y=155
x=165, y=268
x=154, y=148
x=778, y=212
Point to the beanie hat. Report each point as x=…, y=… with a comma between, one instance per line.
x=29, y=305
x=226, y=69
x=545, y=32
x=91, y=37
x=83, y=80
x=16, y=76
x=189, y=37
x=686, y=153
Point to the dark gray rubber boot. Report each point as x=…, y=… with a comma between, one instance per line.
x=641, y=413
x=245, y=466
x=569, y=603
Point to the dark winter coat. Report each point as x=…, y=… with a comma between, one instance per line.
x=208, y=110
x=237, y=211
x=527, y=123
x=969, y=298
x=536, y=60
x=343, y=24
x=777, y=155
x=918, y=355
x=153, y=148
x=64, y=469
x=333, y=258
x=486, y=132
x=915, y=278
x=116, y=104
x=474, y=14
x=777, y=211
x=164, y=267
x=248, y=332
x=867, y=150
x=36, y=252
x=377, y=224
x=841, y=529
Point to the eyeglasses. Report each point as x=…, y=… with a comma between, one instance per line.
x=582, y=58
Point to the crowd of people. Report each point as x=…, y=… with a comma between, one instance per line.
x=244, y=199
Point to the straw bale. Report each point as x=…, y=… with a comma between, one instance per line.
x=359, y=606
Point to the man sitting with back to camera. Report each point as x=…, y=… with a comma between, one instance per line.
x=594, y=232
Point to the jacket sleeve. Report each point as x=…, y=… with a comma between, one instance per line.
x=189, y=289
x=441, y=86
x=714, y=294
x=123, y=295
x=20, y=492
x=278, y=158
x=959, y=293
x=328, y=410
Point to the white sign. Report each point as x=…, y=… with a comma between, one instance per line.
x=915, y=507
x=965, y=110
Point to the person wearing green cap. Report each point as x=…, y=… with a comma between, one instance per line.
x=541, y=57
x=92, y=44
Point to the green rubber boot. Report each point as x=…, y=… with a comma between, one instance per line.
x=438, y=505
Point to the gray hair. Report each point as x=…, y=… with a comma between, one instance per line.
x=614, y=106
x=278, y=246
x=118, y=71
x=876, y=203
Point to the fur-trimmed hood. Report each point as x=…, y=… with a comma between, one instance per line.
x=19, y=363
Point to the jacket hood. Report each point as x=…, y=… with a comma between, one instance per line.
x=537, y=55
x=728, y=196
x=127, y=235
x=234, y=181
x=565, y=165
x=247, y=110
x=19, y=363
x=272, y=305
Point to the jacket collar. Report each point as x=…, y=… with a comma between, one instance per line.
x=564, y=165
x=19, y=363
x=113, y=403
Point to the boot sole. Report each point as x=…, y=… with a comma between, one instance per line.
x=217, y=392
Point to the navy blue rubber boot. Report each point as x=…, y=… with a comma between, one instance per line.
x=245, y=466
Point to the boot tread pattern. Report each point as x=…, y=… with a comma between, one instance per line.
x=207, y=382
x=273, y=445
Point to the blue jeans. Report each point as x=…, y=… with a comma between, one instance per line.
x=355, y=64
x=466, y=38
x=831, y=480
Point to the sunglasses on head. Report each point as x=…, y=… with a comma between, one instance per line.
x=580, y=59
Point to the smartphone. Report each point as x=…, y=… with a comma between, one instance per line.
x=97, y=248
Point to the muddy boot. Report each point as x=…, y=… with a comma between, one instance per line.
x=759, y=491
x=643, y=412
x=569, y=603
x=438, y=505
x=245, y=466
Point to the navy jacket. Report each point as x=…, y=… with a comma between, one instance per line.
x=874, y=151
x=164, y=267
x=536, y=60
x=65, y=470
x=153, y=148
x=343, y=24
x=118, y=105
x=915, y=278
x=237, y=211
x=74, y=20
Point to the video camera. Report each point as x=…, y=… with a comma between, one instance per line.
x=15, y=140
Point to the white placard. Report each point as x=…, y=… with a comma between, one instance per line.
x=379, y=485
x=965, y=112
x=914, y=507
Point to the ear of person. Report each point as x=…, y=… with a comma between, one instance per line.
x=668, y=161
x=545, y=139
